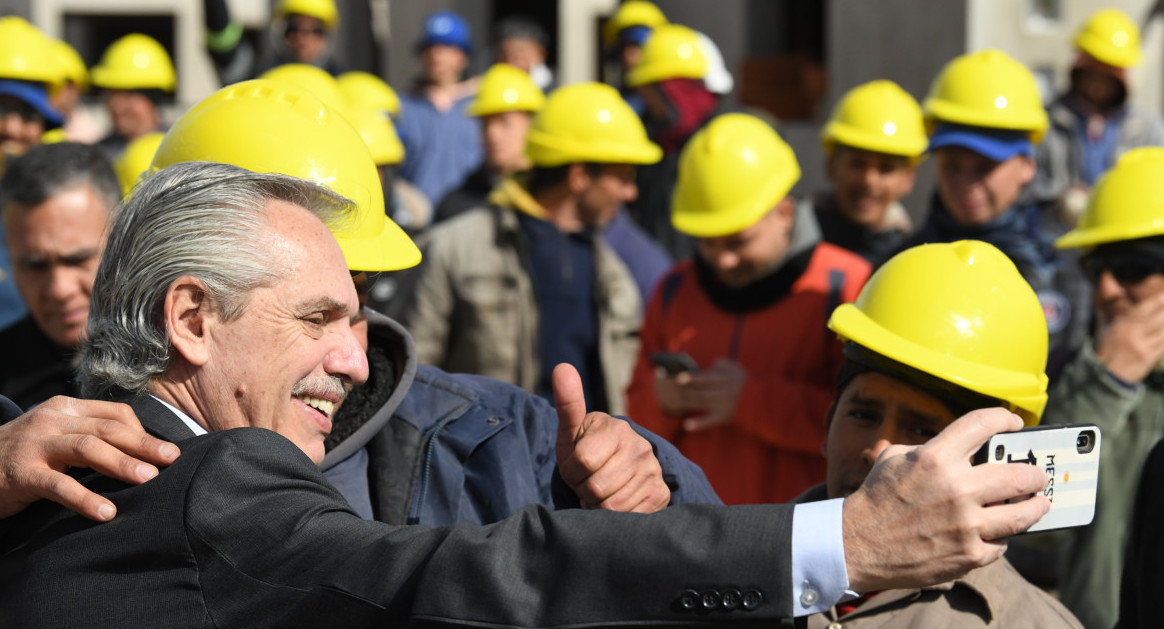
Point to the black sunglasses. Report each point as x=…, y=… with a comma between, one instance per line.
x=295, y=29
x=1126, y=268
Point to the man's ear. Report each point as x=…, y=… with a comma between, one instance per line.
x=1030, y=168
x=187, y=315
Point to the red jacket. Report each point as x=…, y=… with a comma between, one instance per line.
x=771, y=449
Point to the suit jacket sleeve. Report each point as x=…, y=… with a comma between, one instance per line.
x=271, y=537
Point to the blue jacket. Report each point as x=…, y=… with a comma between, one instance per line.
x=445, y=448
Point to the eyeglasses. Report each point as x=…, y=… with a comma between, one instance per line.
x=295, y=29
x=26, y=112
x=1126, y=268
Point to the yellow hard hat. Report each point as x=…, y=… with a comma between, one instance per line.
x=588, y=122
x=54, y=136
x=378, y=134
x=878, y=116
x=135, y=62
x=136, y=159
x=25, y=52
x=313, y=79
x=631, y=13
x=72, y=67
x=1111, y=37
x=323, y=10
x=1126, y=203
x=731, y=173
x=506, y=88
x=987, y=89
x=671, y=52
x=960, y=312
x=364, y=89
x=276, y=127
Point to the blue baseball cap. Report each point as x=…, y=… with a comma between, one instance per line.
x=448, y=29
x=636, y=35
x=995, y=144
x=36, y=96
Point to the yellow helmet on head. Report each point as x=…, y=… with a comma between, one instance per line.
x=26, y=53
x=364, y=89
x=671, y=52
x=506, y=88
x=631, y=13
x=276, y=127
x=1111, y=37
x=959, y=312
x=313, y=79
x=1126, y=203
x=135, y=62
x=378, y=134
x=136, y=159
x=588, y=122
x=72, y=67
x=987, y=89
x=731, y=173
x=322, y=10
x=878, y=116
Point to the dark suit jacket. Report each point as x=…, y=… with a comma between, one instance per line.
x=243, y=530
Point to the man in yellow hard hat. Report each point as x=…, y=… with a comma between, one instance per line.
x=623, y=36
x=505, y=104
x=57, y=200
x=1093, y=122
x=874, y=140
x=512, y=289
x=985, y=116
x=911, y=367
x=749, y=310
x=669, y=78
x=136, y=77
x=1116, y=378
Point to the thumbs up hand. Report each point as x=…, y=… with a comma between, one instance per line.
x=601, y=458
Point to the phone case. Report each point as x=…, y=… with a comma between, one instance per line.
x=1073, y=468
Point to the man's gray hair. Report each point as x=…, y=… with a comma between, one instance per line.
x=198, y=218
x=49, y=169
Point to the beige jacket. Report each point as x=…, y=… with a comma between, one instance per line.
x=470, y=305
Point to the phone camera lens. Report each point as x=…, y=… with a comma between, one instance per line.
x=1085, y=442
x=999, y=452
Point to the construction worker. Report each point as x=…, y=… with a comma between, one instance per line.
x=442, y=143
x=623, y=36
x=506, y=101
x=514, y=288
x=985, y=115
x=301, y=30
x=912, y=365
x=26, y=70
x=65, y=93
x=749, y=310
x=136, y=78
x=670, y=80
x=874, y=140
x=1116, y=379
x=1093, y=122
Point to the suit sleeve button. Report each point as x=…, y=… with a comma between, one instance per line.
x=710, y=600
x=752, y=599
x=689, y=600
x=731, y=600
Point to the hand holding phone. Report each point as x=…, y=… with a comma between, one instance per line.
x=675, y=363
x=1068, y=454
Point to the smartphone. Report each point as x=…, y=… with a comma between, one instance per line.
x=1069, y=455
x=675, y=362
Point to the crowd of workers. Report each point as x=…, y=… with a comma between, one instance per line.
x=769, y=350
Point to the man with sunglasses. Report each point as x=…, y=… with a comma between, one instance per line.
x=1116, y=379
